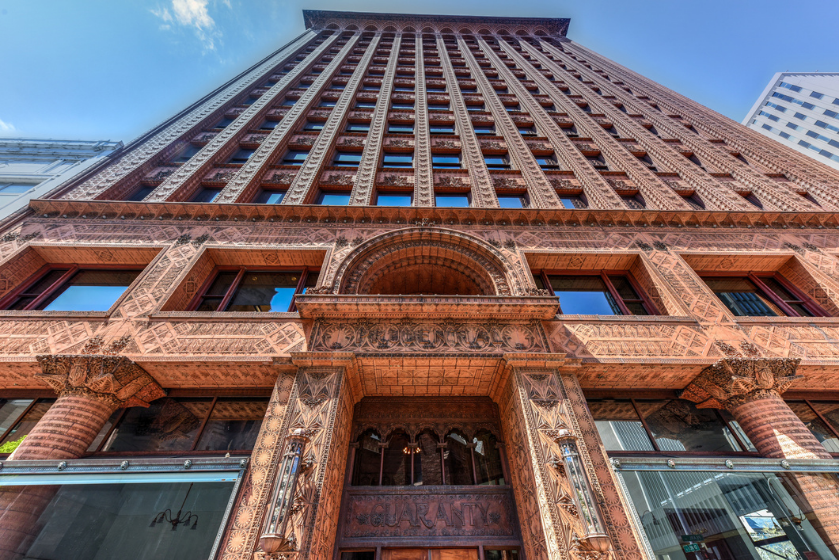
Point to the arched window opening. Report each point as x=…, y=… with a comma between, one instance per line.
x=397, y=462
x=457, y=459
x=488, y=461
x=428, y=468
x=368, y=460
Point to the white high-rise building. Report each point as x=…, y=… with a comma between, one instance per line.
x=800, y=110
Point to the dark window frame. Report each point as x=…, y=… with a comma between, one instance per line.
x=604, y=276
x=73, y=269
x=305, y=271
x=755, y=278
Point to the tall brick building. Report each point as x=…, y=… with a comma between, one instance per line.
x=426, y=287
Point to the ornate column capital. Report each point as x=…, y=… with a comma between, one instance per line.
x=734, y=381
x=113, y=379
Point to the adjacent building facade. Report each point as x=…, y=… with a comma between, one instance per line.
x=426, y=287
x=800, y=109
x=31, y=168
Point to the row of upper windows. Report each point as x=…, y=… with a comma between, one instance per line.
x=805, y=104
x=79, y=288
x=803, y=143
x=814, y=94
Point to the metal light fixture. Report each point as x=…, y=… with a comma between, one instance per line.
x=273, y=538
x=595, y=536
x=165, y=516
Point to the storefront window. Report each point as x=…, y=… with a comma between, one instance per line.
x=619, y=426
x=234, y=424
x=92, y=521
x=22, y=425
x=701, y=515
x=821, y=419
x=10, y=411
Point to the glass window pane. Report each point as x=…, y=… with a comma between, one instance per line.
x=16, y=435
x=619, y=426
x=367, y=460
x=265, y=291
x=98, y=521
x=393, y=200
x=270, y=197
x=428, y=461
x=742, y=297
x=784, y=294
x=452, y=200
x=457, y=459
x=15, y=189
x=220, y=285
x=333, y=199
x=167, y=425
x=829, y=411
x=90, y=290
x=490, y=554
x=234, y=424
x=10, y=411
x=731, y=515
x=206, y=195
x=584, y=295
x=488, y=462
x=678, y=425
x=815, y=424
x=140, y=194
x=734, y=425
x=396, y=468
x=104, y=431
x=511, y=202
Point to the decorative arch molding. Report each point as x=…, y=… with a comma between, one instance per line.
x=401, y=250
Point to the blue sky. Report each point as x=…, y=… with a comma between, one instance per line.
x=112, y=69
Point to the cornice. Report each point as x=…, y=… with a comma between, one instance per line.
x=319, y=19
x=123, y=211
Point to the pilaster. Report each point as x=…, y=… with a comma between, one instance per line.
x=423, y=183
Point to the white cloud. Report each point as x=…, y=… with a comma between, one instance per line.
x=7, y=127
x=190, y=14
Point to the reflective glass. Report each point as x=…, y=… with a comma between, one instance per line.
x=584, y=295
x=728, y=516
x=15, y=189
x=347, y=159
x=10, y=411
x=393, y=200
x=140, y=194
x=457, y=459
x=428, y=460
x=367, y=460
x=678, y=425
x=619, y=426
x=90, y=290
x=333, y=199
x=217, y=291
x=270, y=197
x=394, y=160
x=16, y=435
x=167, y=425
x=206, y=195
x=106, y=428
x=815, y=425
x=396, y=468
x=265, y=291
x=452, y=200
x=233, y=425
x=785, y=295
x=742, y=297
x=488, y=462
x=511, y=201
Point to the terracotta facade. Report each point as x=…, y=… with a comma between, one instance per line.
x=426, y=320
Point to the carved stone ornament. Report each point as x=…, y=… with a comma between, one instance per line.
x=114, y=379
x=733, y=381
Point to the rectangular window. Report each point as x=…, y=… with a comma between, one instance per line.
x=435, y=89
x=527, y=131
x=365, y=105
x=186, y=154
x=547, y=163
x=597, y=294
x=573, y=202
x=294, y=157
x=475, y=108
x=488, y=130
x=790, y=87
x=224, y=123
x=269, y=125
x=244, y=289
x=513, y=108
x=438, y=107
x=799, y=116
x=313, y=126
x=266, y=196
x=357, y=127
x=400, y=129
x=74, y=289
x=452, y=200
x=397, y=160
x=512, y=201
x=137, y=195
x=403, y=88
x=497, y=162
x=769, y=116
x=241, y=155
x=347, y=159
x=438, y=129
x=393, y=199
x=776, y=107
x=821, y=420
x=832, y=114
x=448, y=161
x=17, y=418
x=326, y=103
x=206, y=194
x=327, y=198
x=406, y=106
x=288, y=102
x=752, y=295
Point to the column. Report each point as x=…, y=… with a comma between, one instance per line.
x=751, y=391
x=320, y=409
x=560, y=500
x=90, y=388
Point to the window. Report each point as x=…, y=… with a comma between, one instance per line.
x=267, y=196
x=313, y=126
x=448, y=161
x=489, y=130
x=243, y=289
x=269, y=125
x=547, y=162
x=527, y=131
x=439, y=107
x=513, y=108
x=573, y=202
x=513, y=201
x=598, y=162
x=401, y=129
x=477, y=107
x=769, y=116
x=288, y=102
x=137, y=195
x=365, y=105
x=402, y=105
x=370, y=88
x=452, y=200
x=765, y=295
x=436, y=89
x=794, y=126
x=596, y=293
x=397, y=160
x=832, y=114
x=403, y=88
x=347, y=159
x=330, y=198
x=819, y=417
x=790, y=87
x=497, y=162
x=634, y=201
x=393, y=199
x=667, y=425
x=294, y=157
x=224, y=123
x=441, y=129
x=695, y=201
x=241, y=156
x=357, y=127
x=186, y=154
x=17, y=418
x=468, y=89
x=326, y=103
x=72, y=288
x=206, y=194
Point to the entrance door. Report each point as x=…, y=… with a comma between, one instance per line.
x=430, y=554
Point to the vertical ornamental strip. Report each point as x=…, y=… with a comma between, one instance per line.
x=423, y=187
